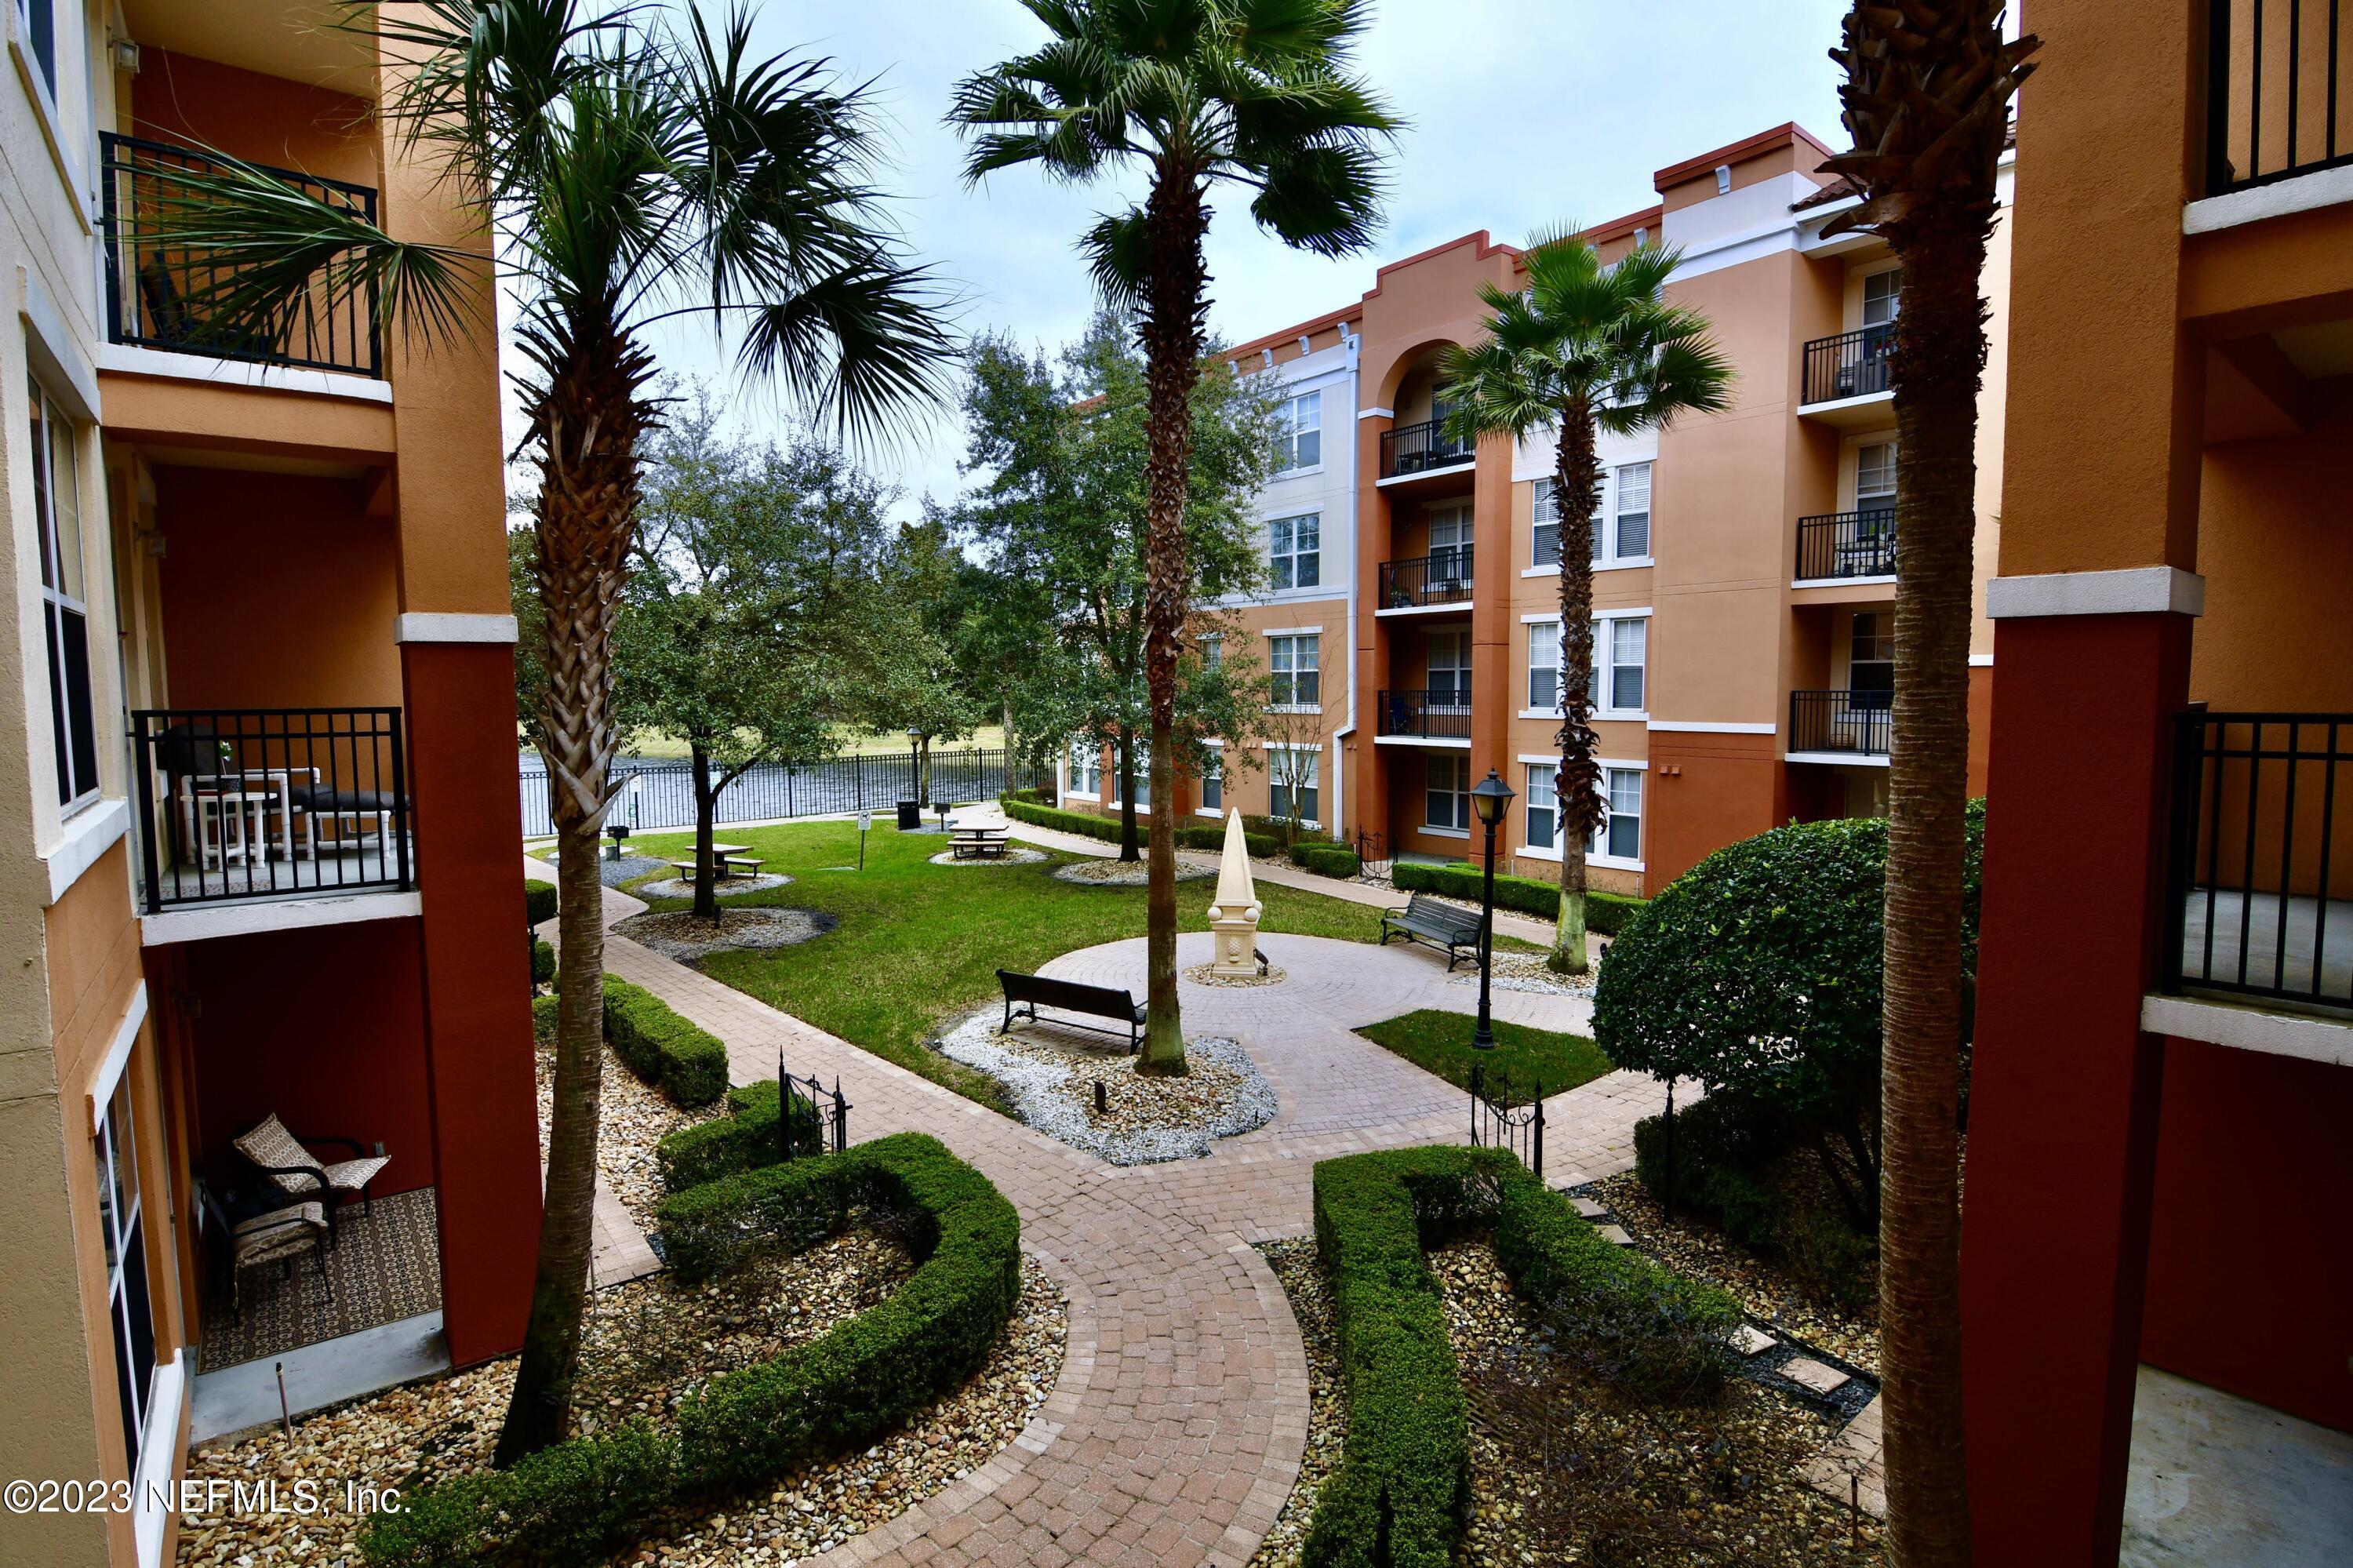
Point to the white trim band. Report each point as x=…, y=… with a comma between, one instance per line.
x=88, y=834
x=429, y=626
x=2132, y=590
x=2244, y=1028
x=1709, y=726
x=118, y=1058
x=2305, y=193
x=1376, y=413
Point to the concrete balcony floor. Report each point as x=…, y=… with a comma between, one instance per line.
x=2218, y=1481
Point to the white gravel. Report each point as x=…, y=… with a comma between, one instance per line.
x=726, y=887
x=1051, y=1087
x=1013, y=856
x=1207, y=974
x=1126, y=873
x=1525, y=971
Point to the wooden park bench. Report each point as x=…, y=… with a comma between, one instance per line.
x=1426, y=919
x=1034, y=991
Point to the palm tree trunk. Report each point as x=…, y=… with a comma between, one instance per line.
x=706, y=802
x=1938, y=352
x=1174, y=221
x=587, y=420
x=1575, y=473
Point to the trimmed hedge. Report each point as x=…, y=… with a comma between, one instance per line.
x=1605, y=914
x=571, y=1505
x=1201, y=837
x=689, y=1065
x=543, y=963
x=1406, y=1455
x=744, y=1139
x=543, y=1011
x=538, y=901
x=1086, y=824
x=1325, y=860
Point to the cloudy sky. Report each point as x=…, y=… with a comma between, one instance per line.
x=1523, y=114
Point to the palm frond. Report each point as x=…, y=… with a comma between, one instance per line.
x=1119, y=253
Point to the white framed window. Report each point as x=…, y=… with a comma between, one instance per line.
x=129, y=1307
x=1294, y=776
x=1874, y=476
x=1213, y=784
x=1213, y=650
x=1294, y=673
x=1544, y=543
x=1882, y=297
x=1299, y=433
x=1449, y=670
x=1620, y=657
x=1546, y=659
x=1447, y=797
x=1621, y=514
x=1544, y=805
x=1449, y=544
x=39, y=22
x=1295, y=551
x=1870, y=661
x=1619, y=835
x=64, y=611
x=1142, y=773
x=1086, y=768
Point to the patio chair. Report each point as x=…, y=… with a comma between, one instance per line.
x=287, y=1161
x=276, y=1236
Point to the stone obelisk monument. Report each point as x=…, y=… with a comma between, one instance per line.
x=1233, y=918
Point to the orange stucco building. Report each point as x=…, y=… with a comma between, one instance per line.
x=257, y=792
x=1743, y=562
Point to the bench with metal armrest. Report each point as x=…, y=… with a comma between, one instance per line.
x=1440, y=925
x=1031, y=992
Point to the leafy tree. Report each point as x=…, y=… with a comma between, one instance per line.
x=752, y=609
x=1061, y=520
x=1255, y=94
x=622, y=164
x=917, y=684
x=1928, y=91
x=1585, y=348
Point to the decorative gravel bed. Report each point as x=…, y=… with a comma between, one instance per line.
x=631, y=1119
x=1014, y=855
x=627, y=869
x=1206, y=974
x=1052, y=1087
x=726, y=887
x=1526, y=972
x=1295, y=1264
x=1763, y=1287
x=677, y=933
x=648, y=1344
x=1125, y=874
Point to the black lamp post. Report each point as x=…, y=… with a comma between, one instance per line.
x=1491, y=797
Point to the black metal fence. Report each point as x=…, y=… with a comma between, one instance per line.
x=1847, y=543
x=1432, y=715
x=2257, y=902
x=1859, y=723
x=1442, y=576
x=2278, y=82
x=1374, y=853
x=1418, y=449
x=659, y=795
x=1502, y=1118
x=811, y=1118
x=1852, y=365
x=161, y=288
x=238, y=803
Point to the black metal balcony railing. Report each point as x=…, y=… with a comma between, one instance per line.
x=1418, y=449
x=1852, y=365
x=2275, y=88
x=2257, y=901
x=1442, y=714
x=242, y=803
x=1854, y=723
x=1442, y=576
x=161, y=292
x=1847, y=543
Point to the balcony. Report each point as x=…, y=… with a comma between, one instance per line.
x=1435, y=581
x=1847, y=544
x=1841, y=726
x=1846, y=381
x=1412, y=450
x=158, y=290
x=1441, y=717
x=248, y=804
x=2257, y=906
x=2272, y=105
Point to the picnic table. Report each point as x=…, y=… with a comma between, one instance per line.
x=982, y=840
x=731, y=860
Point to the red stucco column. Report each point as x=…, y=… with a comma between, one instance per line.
x=477, y=984
x=1367, y=802
x=2064, y=1092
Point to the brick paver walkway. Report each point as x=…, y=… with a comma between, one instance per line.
x=1174, y=1432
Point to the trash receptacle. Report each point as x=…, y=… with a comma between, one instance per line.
x=911, y=816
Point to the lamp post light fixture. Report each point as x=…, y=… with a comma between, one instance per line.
x=1491, y=797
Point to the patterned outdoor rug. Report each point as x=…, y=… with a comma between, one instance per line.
x=384, y=1266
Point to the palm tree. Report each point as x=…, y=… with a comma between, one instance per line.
x=622, y=168
x=1585, y=348
x=1927, y=92
x=1252, y=93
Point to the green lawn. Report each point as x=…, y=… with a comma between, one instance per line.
x=919, y=945
x=1440, y=1042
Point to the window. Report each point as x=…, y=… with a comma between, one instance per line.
x=1450, y=542
x=1294, y=677
x=1143, y=751
x=1295, y=551
x=1213, y=651
x=1632, y=540
x=1619, y=835
x=1299, y=433
x=1086, y=767
x=65, y=614
x=1543, y=545
x=1293, y=773
x=1874, y=476
x=1213, y=783
x=1871, y=661
x=1544, y=805
x=125, y=1240
x=1449, y=792
x=1882, y=297
x=41, y=35
x=1620, y=649
x=1544, y=661
x=1449, y=670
